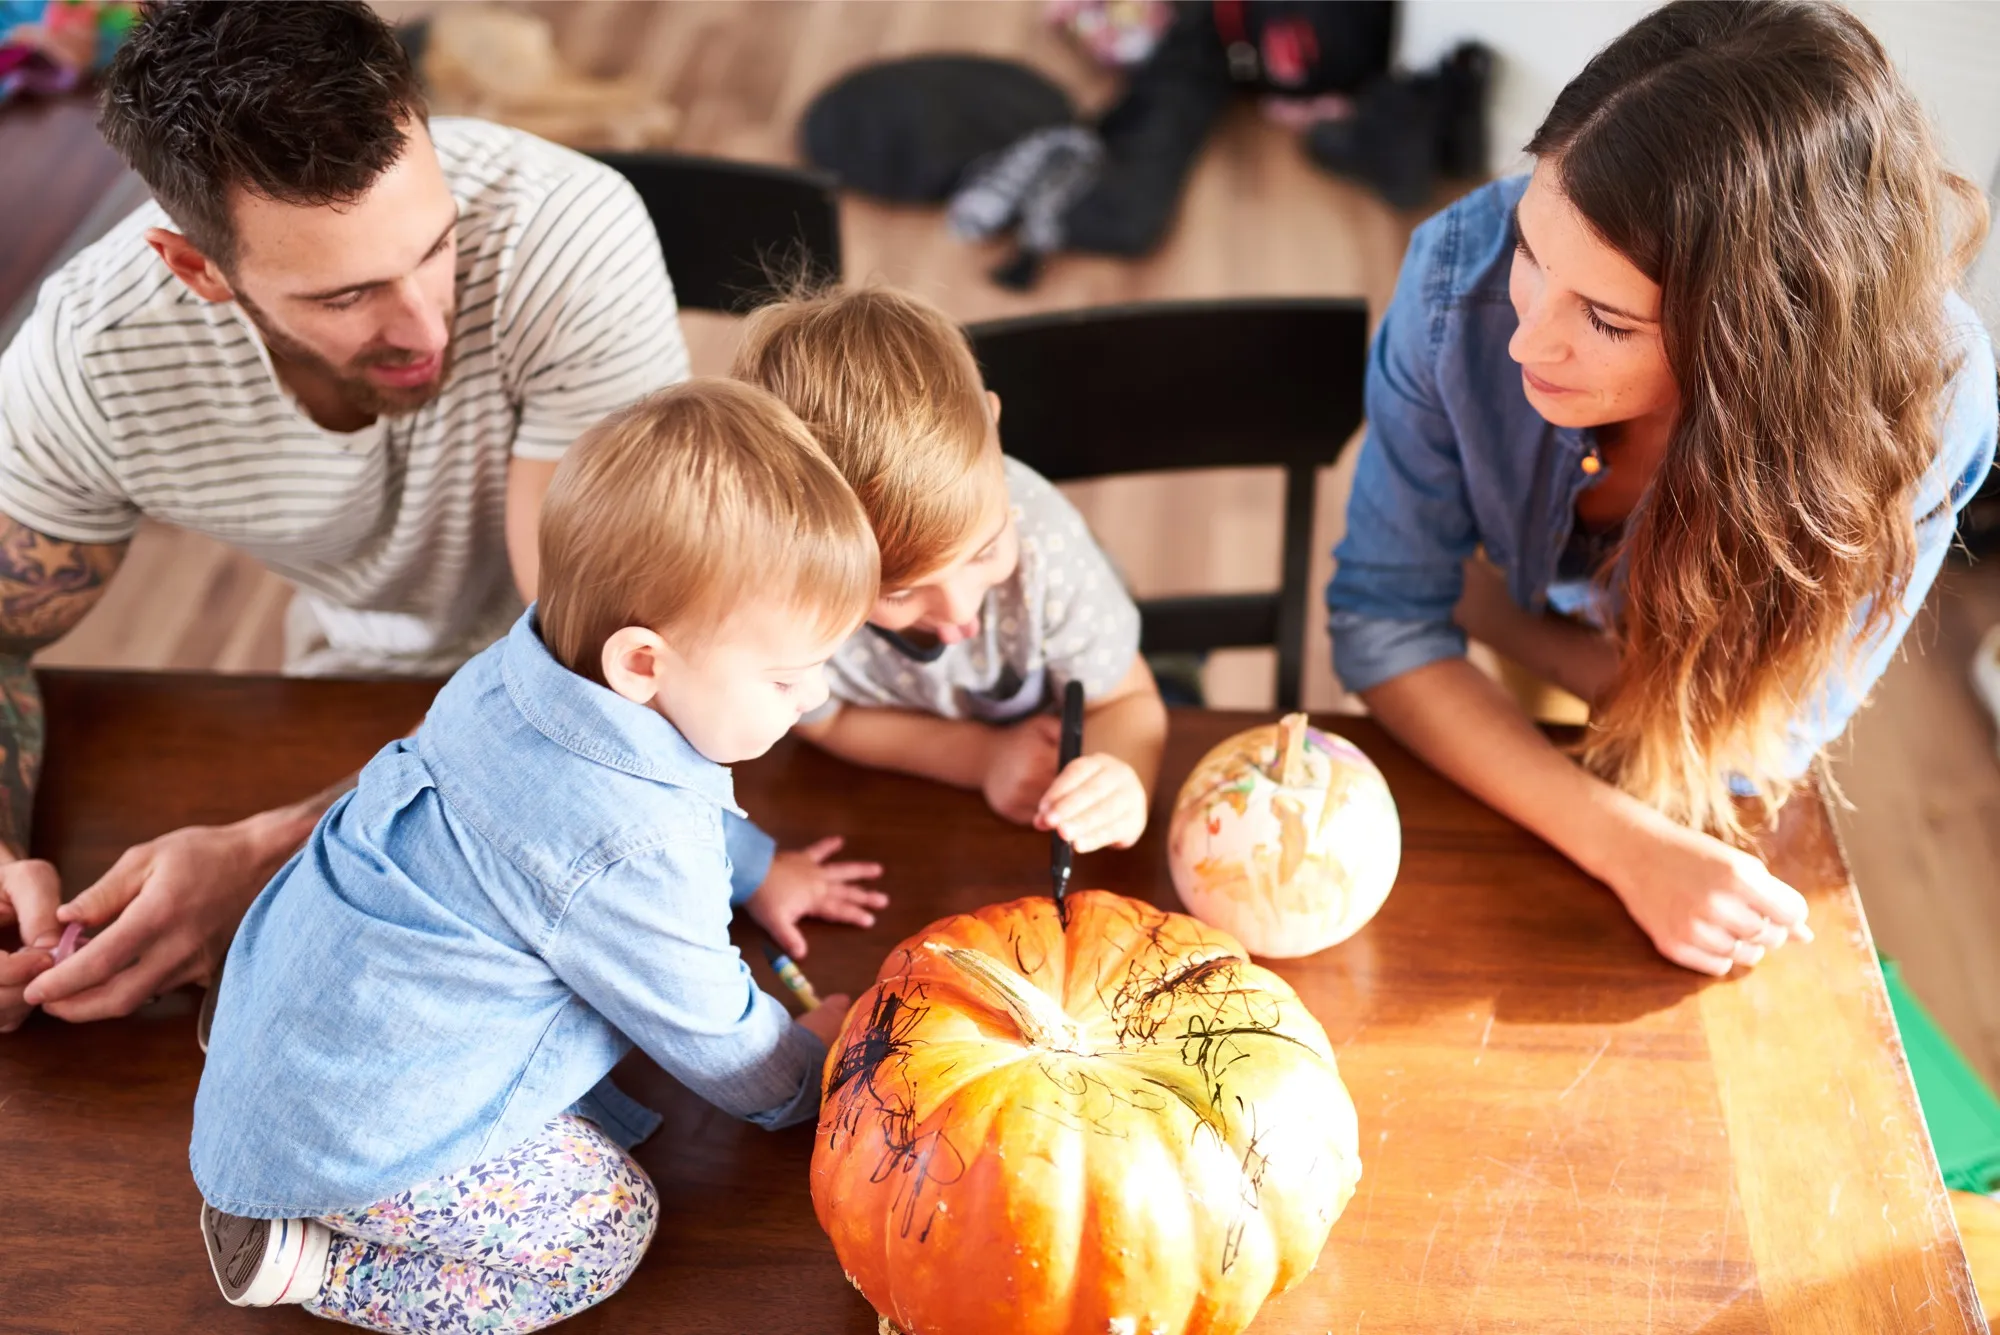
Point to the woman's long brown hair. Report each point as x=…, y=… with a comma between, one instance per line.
x=1762, y=162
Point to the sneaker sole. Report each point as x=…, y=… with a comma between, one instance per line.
x=254, y=1269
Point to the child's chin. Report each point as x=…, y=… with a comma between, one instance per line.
x=739, y=749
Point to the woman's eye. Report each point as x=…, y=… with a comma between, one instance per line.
x=1610, y=331
x=899, y=596
x=785, y=687
x=1521, y=249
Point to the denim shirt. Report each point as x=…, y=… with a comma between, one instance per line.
x=1456, y=459
x=473, y=937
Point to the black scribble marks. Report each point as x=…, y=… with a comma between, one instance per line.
x=1094, y=1104
x=1027, y=967
x=1193, y=975
x=1254, y=1165
x=871, y=1079
x=890, y=1022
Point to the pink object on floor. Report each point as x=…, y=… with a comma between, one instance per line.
x=72, y=937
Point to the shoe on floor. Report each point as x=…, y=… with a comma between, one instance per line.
x=1986, y=676
x=264, y=1262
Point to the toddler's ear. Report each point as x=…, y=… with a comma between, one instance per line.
x=635, y=662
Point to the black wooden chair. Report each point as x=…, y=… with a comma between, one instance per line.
x=1188, y=385
x=728, y=229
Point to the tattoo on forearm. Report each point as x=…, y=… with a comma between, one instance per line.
x=21, y=733
x=46, y=585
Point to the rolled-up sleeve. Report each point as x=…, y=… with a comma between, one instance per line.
x=646, y=943
x=1965, y=456
x=1399, y=569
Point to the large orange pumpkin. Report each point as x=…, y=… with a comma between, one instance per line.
x=1100, y=1120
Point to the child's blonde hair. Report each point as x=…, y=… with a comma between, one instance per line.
x=669, y=513
x=888, y=384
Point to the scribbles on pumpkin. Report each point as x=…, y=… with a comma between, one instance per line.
x=1163, y=1033
x=863, y=1087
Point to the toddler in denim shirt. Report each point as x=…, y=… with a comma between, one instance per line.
x=406, y=1120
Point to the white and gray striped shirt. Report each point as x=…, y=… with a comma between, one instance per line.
x=127, y=395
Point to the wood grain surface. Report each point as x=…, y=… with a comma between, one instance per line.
x=1560, y=1131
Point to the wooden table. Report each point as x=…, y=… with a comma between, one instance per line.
x=1559, y=1130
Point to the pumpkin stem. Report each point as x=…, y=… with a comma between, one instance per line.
x=1042, y=1022
x=1292, y=750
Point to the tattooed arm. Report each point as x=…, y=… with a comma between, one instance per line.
x=46, y=585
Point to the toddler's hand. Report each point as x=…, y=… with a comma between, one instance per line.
x=824, y=1019
x=802, y=883
x=1096, y=802
x=1022, y=768
x=1706, y=905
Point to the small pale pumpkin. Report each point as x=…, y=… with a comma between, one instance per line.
x=1285, y=837
x=1103, y=1119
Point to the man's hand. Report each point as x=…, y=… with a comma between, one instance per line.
x=1022, y=767
x=1096, y=802
x=802, y=884
x=163, y=915
x=30, y=892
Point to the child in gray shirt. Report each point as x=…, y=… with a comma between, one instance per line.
x=994, y=594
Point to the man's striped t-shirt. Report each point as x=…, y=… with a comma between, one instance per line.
x=125, y=395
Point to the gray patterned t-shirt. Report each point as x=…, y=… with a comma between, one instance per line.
x=1062, y=616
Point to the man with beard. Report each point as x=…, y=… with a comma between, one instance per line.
x=345, y=339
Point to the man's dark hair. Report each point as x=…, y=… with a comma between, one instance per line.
x=300, y=101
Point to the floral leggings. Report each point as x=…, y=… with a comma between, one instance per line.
x=511, y=1244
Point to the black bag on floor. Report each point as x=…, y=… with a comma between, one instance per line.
x=906, y=130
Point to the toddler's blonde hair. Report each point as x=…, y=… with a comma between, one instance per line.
x=888, y=385
x=672, y=512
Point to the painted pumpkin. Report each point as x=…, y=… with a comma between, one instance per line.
x=1285, y=837
x=1100, y=1120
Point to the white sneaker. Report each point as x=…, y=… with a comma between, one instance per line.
x=1986, y=676
x=264, y=1262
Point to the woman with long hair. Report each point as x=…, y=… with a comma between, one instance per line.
x=1681, y=421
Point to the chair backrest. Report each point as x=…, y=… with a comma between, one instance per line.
x=1183, y=385
x=728, y=228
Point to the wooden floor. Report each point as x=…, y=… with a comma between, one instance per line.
x=1257, y=219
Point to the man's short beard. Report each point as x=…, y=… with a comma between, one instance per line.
x=358, y=392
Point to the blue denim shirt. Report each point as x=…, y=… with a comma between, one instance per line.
x=473, y=937
x=1456, y=459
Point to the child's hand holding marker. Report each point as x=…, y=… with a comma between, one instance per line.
x=822, y=1018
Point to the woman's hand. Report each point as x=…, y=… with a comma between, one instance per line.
x=1706, y=906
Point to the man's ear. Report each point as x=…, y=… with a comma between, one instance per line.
x=634, y=663
x=202, y=275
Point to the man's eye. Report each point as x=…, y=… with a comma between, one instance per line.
x=348, y=302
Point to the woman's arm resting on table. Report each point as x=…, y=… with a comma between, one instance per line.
x=1704, y=904
x=1579, y=658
